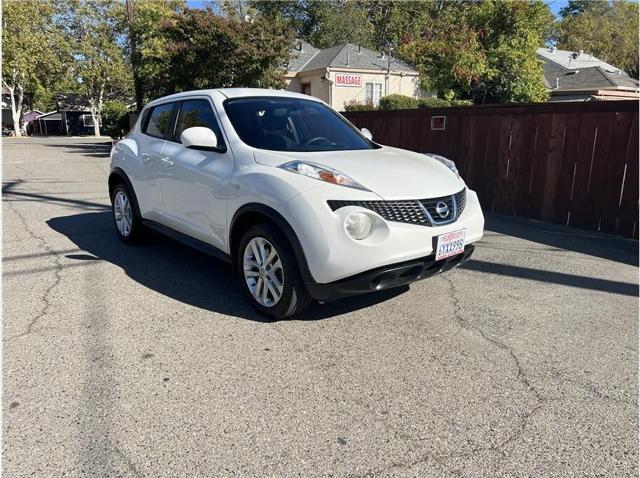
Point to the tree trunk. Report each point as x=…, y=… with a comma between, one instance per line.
x=134, y=43
x=96, y=123
x=16, y=107
x=95, y=106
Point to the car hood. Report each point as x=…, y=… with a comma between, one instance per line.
x=391, y=173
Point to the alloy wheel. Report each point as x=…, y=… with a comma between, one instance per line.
x=123, y=213
x=263, y=271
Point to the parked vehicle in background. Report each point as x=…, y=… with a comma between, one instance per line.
x=302, y=203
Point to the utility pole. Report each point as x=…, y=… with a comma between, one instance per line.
x=388, y=78
x=135, y=60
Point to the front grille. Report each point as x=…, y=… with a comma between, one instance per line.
x=398, y=211
x=420, y=211
x=461, y=201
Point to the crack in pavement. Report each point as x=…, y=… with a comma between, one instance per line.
x=521, y=375
x=497, y=449
x=57, y=278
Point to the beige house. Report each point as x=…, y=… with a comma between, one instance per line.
x=349, y=73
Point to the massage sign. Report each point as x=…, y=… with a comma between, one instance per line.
x=353, y=81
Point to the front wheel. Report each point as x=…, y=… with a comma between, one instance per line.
x=269, y=273
x=128, y=225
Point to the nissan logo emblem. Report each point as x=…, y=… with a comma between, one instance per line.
x=442, y=209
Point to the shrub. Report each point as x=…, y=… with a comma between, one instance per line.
x=461, y=102
x=398, y=102
x=115, y=118
x=402, y=102
x=433, y=103
x=355, y=105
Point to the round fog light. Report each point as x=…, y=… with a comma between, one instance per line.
x=359, y=225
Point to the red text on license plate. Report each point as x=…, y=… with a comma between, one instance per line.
x=450, y=244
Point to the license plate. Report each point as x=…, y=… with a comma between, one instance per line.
x=450, y=244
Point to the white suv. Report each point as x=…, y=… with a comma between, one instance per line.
x=303, y=204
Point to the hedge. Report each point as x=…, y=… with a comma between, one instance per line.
x=402, y=102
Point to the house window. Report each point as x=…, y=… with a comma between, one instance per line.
x=87, y=121
x=306, y=89
x=373, y=92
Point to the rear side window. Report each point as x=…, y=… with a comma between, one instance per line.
x=159, y=119
x=196, y=113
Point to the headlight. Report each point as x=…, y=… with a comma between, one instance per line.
x=447, y=162
x=322, y=173
x=359, y=225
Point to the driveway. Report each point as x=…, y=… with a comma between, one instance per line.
x=146, y=360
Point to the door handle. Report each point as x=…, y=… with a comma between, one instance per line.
x=166, y=161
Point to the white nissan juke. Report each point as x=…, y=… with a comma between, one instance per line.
x=303, y=204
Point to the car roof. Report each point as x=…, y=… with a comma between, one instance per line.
x=234, y=93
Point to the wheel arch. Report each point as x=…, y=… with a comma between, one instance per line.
x=118, y=176
x=254, y=213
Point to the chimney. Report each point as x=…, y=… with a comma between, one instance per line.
x=347, y=55
x=580, y=53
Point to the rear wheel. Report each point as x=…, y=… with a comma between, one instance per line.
x=269, y=272
x=128, y=224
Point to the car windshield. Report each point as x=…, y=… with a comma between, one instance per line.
x=292, y=124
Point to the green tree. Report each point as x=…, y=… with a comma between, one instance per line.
x=99, y=61
x=33, y=49
x=323, y=23
x=391, y=21
x=207, y=50
x=141, y=22
x=42, y=99
x=448, y=54
x=485, y=51
x=115, y=118
x=608, y=30
x=334, y=22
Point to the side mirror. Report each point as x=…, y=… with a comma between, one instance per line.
x=199, y=137
x=367, y=134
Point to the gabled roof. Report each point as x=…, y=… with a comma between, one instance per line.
x=301, y=55
x=565, y=59
x=51, y=116
x=590, y=78
x=347, y=55
x=71, y=102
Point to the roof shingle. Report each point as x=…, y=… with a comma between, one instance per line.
x=347, y=55
x=594, y=77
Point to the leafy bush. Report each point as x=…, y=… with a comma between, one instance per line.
x=355, y=105
x=461, y=102
x=115, y=118
x=398, y=102
x=433, y=103
x=402, y=102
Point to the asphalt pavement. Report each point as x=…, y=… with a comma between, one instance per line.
x=147, y=361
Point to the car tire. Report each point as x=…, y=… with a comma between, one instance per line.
x=126, y=220
x=272, y=282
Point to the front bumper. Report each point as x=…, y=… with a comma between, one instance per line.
x=386, y=277
x=331, y=255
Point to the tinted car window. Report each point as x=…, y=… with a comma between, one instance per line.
x=159, y=119
x=196, y=113
x=292, y=124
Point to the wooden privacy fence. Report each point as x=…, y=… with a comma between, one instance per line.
x=569, y=163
